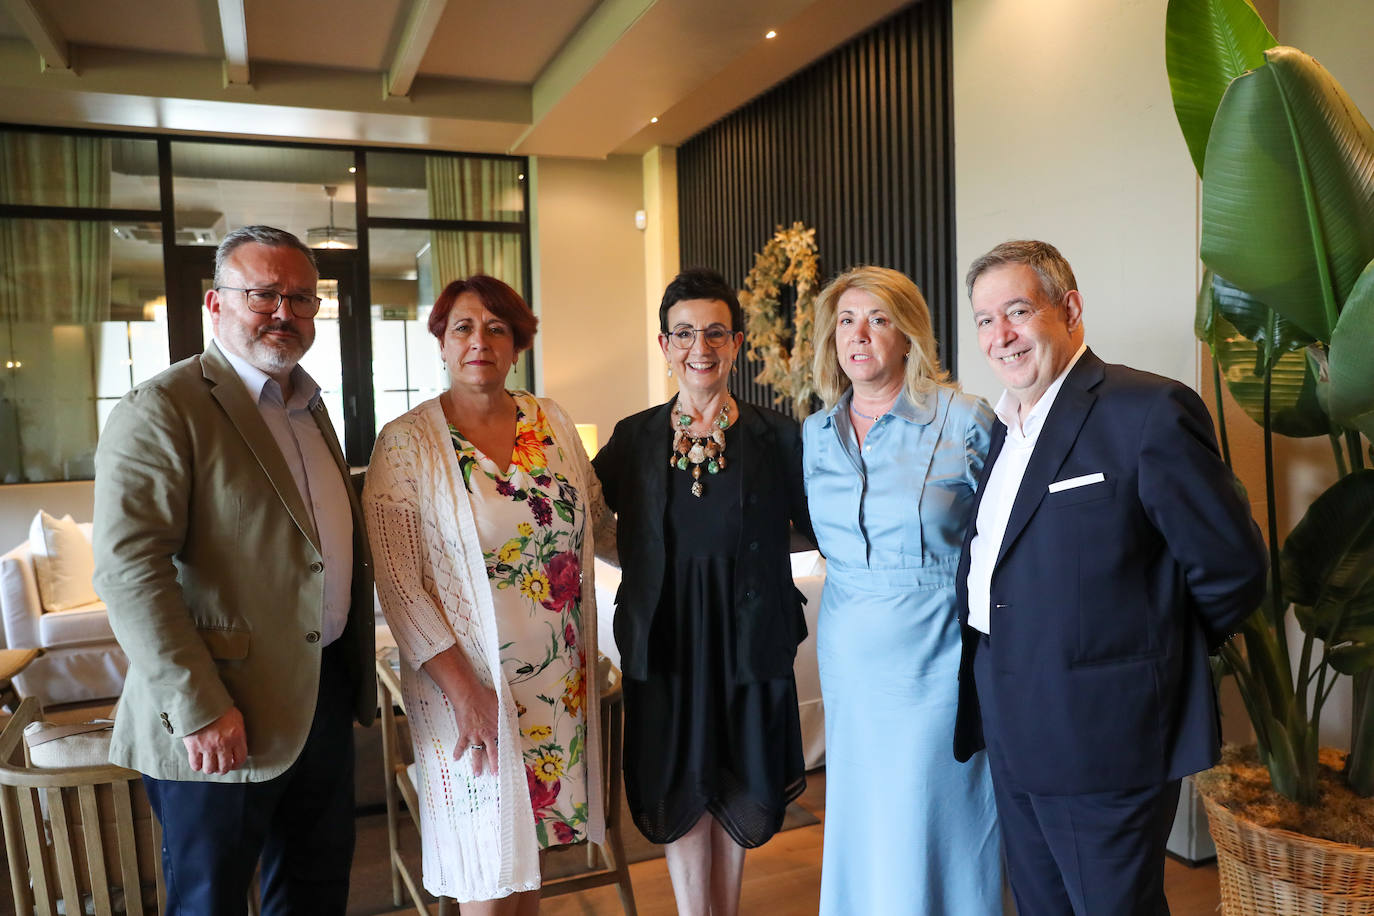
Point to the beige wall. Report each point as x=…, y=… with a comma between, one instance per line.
x=589, y=274
x=1064, y=131
x=1338, y=33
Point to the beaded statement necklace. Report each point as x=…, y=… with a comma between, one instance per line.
x=693, y=451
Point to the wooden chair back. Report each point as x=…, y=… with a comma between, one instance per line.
x=82, y=835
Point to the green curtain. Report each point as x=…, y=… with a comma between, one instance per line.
x=54, y=271
x=475, y=189
x=54, y=293
x=461, y=254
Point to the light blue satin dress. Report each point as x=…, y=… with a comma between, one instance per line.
x=907, y=828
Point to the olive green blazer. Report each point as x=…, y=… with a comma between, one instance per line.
x=211, y=569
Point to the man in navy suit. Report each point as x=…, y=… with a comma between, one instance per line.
x=1110, y=552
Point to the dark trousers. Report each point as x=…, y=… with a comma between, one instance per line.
x=300, y=824
x=1087, y=855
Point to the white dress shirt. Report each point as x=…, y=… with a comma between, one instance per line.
x=999, y=492
x=318, y=479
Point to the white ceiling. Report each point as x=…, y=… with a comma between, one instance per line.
x=530, y=77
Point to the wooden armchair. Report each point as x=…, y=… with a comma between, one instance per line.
x=95, y=841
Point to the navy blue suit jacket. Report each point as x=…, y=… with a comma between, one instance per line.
x=1107, y=598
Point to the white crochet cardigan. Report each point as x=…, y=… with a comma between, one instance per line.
x=434, y=590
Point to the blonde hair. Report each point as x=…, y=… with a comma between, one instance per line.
x=909, y=312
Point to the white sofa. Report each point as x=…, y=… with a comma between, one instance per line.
x=81, y=660
x=808, y=572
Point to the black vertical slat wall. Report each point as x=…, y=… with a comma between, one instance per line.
x=860, y=147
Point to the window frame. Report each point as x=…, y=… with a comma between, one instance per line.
x=184, y=321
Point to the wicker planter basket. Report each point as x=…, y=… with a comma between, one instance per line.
x=1269, y=872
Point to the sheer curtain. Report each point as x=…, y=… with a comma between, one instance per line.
x=54, y=271
x=474, y=189
x=54, y=294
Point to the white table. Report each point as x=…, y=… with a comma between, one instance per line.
x=808, y=572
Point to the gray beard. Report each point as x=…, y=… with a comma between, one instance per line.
x=271, y=357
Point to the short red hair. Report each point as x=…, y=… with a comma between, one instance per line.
x=499, y=299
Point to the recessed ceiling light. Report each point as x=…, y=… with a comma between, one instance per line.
x=352, y=169
x=520, y=177
x=771, y=33
x=654, y=119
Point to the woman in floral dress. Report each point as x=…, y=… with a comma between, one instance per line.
x=478, y=505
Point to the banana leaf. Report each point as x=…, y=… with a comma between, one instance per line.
x=1208, y=43
x=1294, y=407
x=1270, y=677
x=1205, y=311
x=1359, y=766
x=1257, y=321
x=1353, y=619
x=1328, y=559
x=1351, y=359
x=1282, y=761
x=1353, y=658
x=1288, y=190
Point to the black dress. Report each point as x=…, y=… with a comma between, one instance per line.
x=696, y=741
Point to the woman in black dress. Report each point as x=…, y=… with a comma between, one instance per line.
x=707, y=618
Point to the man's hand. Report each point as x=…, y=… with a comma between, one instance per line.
x=220, y=746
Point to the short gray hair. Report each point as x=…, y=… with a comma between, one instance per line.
x=1056, y=276
x=261, y=235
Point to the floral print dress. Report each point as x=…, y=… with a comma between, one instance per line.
x=530, y=522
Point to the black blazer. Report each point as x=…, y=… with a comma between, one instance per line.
x=1107, y=597
x=633, y=469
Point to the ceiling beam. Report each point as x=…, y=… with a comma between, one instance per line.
x=609, y=25
x=421, y=22
x=41, y=32
x=233, y=27
x=130, y=89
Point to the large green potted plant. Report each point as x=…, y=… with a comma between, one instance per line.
x=1287, y=309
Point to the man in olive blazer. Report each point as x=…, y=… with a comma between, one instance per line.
x=250, y=656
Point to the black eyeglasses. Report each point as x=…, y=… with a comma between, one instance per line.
x=265, y=301
x=683, y=336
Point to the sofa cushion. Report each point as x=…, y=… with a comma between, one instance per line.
x=82, y=745
x=63, y=562
x=19, y=598
x=78, y=626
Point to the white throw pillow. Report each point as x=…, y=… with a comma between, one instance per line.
x=83, y=745
x=63, y=562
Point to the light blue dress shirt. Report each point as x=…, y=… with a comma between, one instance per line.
x=317, y=475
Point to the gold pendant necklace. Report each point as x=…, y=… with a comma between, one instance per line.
x=696, y=451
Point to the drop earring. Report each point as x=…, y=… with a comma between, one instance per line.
x=670, y=370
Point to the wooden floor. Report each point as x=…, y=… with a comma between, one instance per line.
x=783, y=878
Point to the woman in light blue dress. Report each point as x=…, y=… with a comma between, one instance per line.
x=891, y=467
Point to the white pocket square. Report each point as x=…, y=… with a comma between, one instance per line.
x=1076, y=482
